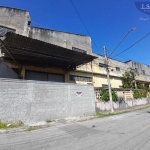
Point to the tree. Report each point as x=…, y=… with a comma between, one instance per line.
x=128, y=79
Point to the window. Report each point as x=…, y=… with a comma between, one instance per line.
x=143, y=71
x=136, y=69
x=102, y=65
x=105, y=85
x=78, y=50
x=80, y=78
x=117, y=69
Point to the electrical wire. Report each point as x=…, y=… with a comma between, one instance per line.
x=120, y=42
x=132, y=45
x=83, y=23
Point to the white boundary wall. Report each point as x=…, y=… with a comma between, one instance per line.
x=105, y=106
x=32, y=101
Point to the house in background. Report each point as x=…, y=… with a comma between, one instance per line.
x=49, y=55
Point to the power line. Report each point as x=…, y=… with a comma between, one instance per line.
x=132, y=45
x=121, y=41
x=97, y=47
x=82, y=22
x=129, y=58
x=41, y=25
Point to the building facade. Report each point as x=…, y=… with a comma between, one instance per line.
x=49, y=55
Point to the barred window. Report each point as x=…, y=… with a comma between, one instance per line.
x=105, y=85
x=117, y=69
x=143, y=71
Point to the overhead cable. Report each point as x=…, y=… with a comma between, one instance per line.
x=133, y=44
x=82, y=22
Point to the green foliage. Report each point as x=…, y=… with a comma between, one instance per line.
x=140, y=94
x=128, y=79
x=140, y=85
x=4, y=125
x=105, y=95
x=30, y=128
x=101, y=115
x=48, y=121
x=146, y=86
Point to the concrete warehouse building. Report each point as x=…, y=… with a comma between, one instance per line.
x=32, y=53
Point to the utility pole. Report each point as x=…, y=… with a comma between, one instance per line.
x=108, y=79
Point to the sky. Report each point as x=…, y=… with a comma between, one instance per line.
x=105, y=21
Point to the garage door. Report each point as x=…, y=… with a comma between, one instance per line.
x=41, y=76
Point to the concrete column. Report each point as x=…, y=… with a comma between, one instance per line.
x=143, y=85
x=67, y=77
x=135, y=85
x=23, y=72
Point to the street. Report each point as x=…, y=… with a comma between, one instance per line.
x=130, y=131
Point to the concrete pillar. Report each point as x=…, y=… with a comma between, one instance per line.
x=135, y=85
x=23, y=72
x=143, y=85
x=67, y=77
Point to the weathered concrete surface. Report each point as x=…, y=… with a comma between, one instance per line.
x=19, y=20
x=32, y=101
x=129, y=131
x=140, y=67
x=15, y=19
x=6, y=71
x=105, y=106
x=63, y=39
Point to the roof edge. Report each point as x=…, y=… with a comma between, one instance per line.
x=13, y=8
x=58, y=31
x=136, y=62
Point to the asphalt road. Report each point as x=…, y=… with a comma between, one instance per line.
x=129, y=131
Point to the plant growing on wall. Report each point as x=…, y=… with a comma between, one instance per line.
x=140, y=94
x=128, y=79
x=105, y=95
